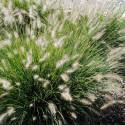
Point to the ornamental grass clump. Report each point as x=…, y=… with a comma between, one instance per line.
x=44, y=74
x=44, y=78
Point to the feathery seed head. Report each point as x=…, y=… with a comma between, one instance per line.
x=35, y=77
x=41, y=42
x=64, y=77
x=46, y=83
x=34, y=118
x=52, y=107
x=65, y=93
x=58, y=43
x=73, y=115
x=5, y=84
x=61, y=62
x=35, y=67
x=45, y=56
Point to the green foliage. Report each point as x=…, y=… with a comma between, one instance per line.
x=112, y=36
x=46, y=70
x=83, y=61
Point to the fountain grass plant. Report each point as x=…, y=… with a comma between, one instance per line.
x=49, y=76
x=45, y=74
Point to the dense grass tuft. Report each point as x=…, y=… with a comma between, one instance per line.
x=48, y=65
